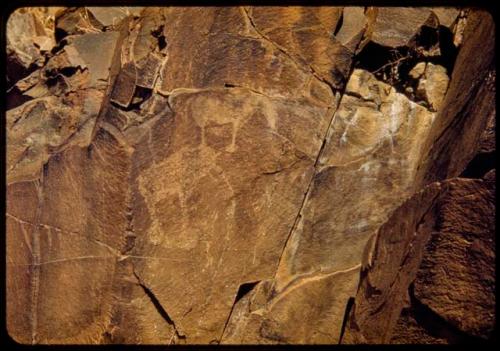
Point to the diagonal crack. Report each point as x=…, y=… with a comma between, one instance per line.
x=157, y=304
x=36, y=253
x=243, y=290
x=316, y=168
x=308, y=189
x=285, y=52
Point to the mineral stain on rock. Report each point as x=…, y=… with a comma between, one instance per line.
x=250, y=175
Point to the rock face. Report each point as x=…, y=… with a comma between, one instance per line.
x=435, y=259
x=248, y=184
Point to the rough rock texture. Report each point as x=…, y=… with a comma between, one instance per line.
x=242, y=186
x=434, y=258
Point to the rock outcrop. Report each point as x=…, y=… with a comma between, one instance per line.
x=248, y=175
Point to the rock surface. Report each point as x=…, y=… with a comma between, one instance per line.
x=436, y=264
x=438, y=268
x=242, y=186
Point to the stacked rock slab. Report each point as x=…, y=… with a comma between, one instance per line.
x=220, y=189
x=439, y=266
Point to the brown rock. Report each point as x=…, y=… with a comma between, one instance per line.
x=456, y=279
x=354, y=25
x=432, y=85
x=306, y=34
x=471, y=92
x=376, y=310
x=447, y=16
x=396, y=26
x=230, y=188
x=96, y=50
x=487, y=143
x=446, y=255
x=112, y=16
x=391, y=263
x=31, y=35
x=76, y=21
x=370, y=154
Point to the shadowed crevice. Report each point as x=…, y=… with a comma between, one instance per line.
x=348, y=308
x=156, y=303
x=481, y=164
x=243, y=290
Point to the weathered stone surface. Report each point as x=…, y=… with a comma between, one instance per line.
x=487, y=143
x=306, y=34
x=354, y=25
x=389, y=268
x=456, y=279
x=447, y=16
x=396, y=26
x=124, y=88
x=241, y=146
x=383, y=293
x=239, y=186
x=96, y=50
x=471, y=92
x=31, y=36
x=366, y=167
x=432, y=85
x=112, y=16
x=75, y=21
x=445, y=250
x=234, y=127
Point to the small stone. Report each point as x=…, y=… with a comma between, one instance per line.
x=417, y=71
x=147, y=70
x=433, y=85
x=44, y=43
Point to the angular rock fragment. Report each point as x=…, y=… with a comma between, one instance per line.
x=31, y=35
x=395, y=26
x=75, y=21
x=96, y=50
x=124, y=87
x=432, y=85
x=390, y=267
x=456, y=278
x=447, y=16
x=111, y=16
x=448, y=259
x=354, y=25
x=147, y=71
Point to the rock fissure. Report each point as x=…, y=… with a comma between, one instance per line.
x=282, y=50
x=243, y=290
x=283, y=176
x=161, y=310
